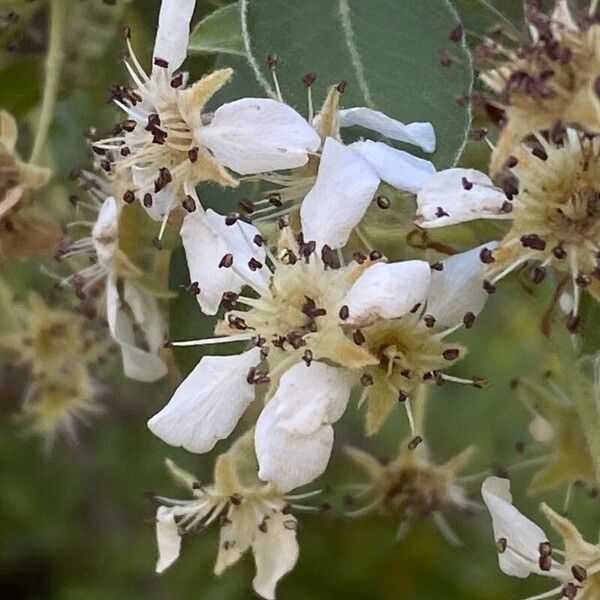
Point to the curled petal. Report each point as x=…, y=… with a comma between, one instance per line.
x=293, y=446
x=418, y=134
x=105, y=232
x=396, y=167
x=457, y=195
x=344, y=188
x=206, y=240
x=173, y=31
x=458, y=288
x=207, y=405
x=168, y=539
x=236, y=537
x=523, y=537
x=387, y=291
x=254, y=135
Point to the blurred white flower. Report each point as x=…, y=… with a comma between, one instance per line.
x=524, y=548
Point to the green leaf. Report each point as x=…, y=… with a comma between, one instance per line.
x=187, y=322
x=219, y=32
x=479, y=16
x=590, y=317
x=386, y=50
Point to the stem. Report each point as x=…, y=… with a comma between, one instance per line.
x=54, y=60
x=419, y=404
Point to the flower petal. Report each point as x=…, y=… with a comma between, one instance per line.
x=399, y=169
x=137, y=363
x=275, y=553
x=237, y=535
x=254, y=135
x=387, y=291
x=168, y=539
x=207, y=405
x=458, y=288
x=418, y=134
x=9, y=131
x=162, y=202
x=344, y=188
x=206, y=240
x=521, y=534
x=173, y=31
x=146, y=314
x=293, y=446
x=105, y=232
x=443, y=200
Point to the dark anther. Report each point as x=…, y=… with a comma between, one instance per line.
x=124, y=151
x=451, y=353
x=161, y=62
x=501, y=545
x=359, y=257
x=583, y=279
x=129, y=125
x=98, y=151
x=189, y=204
x=545, y=549
x=506, y=207
x=147, y=200
x=344, y=312
x=231, y=219
x=236, y=499
x=366, y=379
x=579, y=573
x=309, y=79
x=193, y=288
x=105, y=164
x=259, y=240
x=177, y=80
x=328, y=256
x=402, y=396
x=415, y=308
x=446, y=59
x=488, y=286
x=511, y=161
x=307, y=357
x=383, y=202
x=440, y=212
x=358, y=337
x=229, y=299
x=557, y=133
x=486, y=256
x=437, y=266
x=510, y=187
x=375, y=255
x=128, y=197
x=559, y=252
x=272, y=62
x=429, y=321
x=574, y=323
x=275, y=199
x=163, y=179
x=456, y=33
x=282, y=223
x=533, y=241
x=74, y=199
x=246, y=206
x=467, y=185
x=540, y=153
x=341, y=86
x=254, y=265
x=157, y=243
x=569, y=591
x=226, y=261
x=538, y=274
x=469, y=320
x=262, y=526
x=412, y=445
x=193, y=154
x=477, y=134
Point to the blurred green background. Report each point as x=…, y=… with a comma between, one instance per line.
x=76, y=525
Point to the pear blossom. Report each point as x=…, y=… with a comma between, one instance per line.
x=169, y=143
x=411, y=487
x=337, y=187
x=550, y=198
x=251, y=515
x=524, y=548
x=320, y=329
x=128, y=304
x=550, y=78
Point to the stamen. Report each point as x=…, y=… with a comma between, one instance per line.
x=208, y=341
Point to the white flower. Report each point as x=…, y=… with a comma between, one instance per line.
x=254, y=515
x=128, y=304
x=549, y=196
x=524, y=548
x=368, y=320
x=169, y=143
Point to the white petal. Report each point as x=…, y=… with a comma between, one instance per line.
x=418, y=134
x=523, y=535
x=275, y=553
x=344, y=188
x=206, y=240
x=458, y=288
x=146, y=314
x=168, y=539
x=541, y=430
x=237, y=535
x=137, y=363
x=162, y=202
x=387, y=291
x=289, y=459
x=445, y=191
x=254, y=135
x=105, y=232
x=173, y=31
x=399, y=169
x=207, y=405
